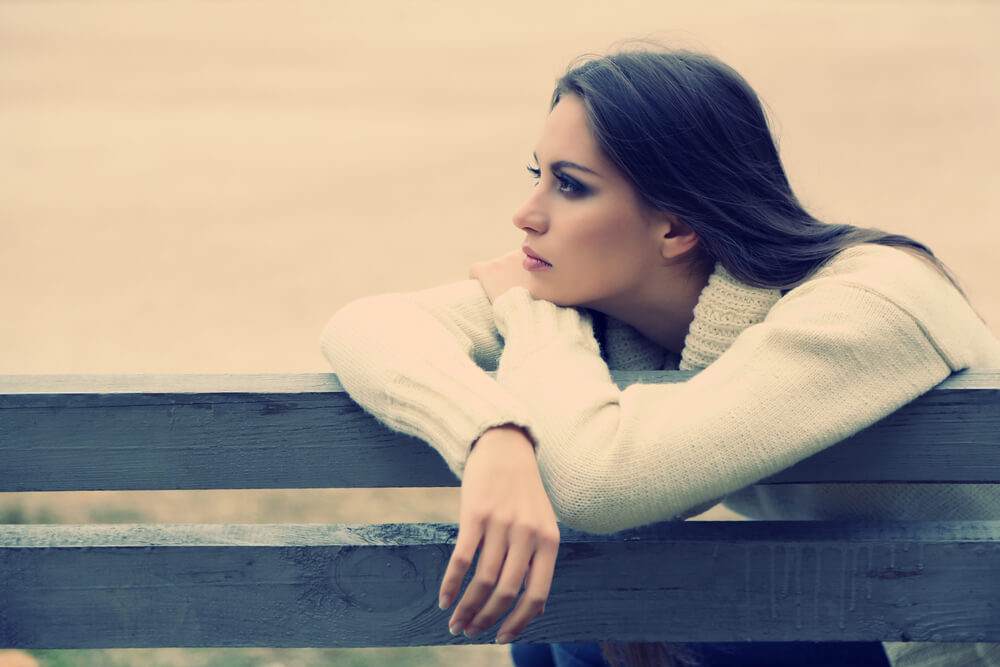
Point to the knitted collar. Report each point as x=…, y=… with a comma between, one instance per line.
x=725, y=308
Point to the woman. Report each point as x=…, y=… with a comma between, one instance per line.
x=663, y=234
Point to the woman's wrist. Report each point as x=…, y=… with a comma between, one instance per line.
x=506, y=435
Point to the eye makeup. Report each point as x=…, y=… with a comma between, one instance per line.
x=567, y=185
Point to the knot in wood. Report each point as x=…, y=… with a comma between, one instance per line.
x=381, y=579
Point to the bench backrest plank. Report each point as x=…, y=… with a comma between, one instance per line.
x=243, y=432
x=376, y=585
x=135, y=586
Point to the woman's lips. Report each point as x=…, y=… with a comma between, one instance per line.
x=532, y=262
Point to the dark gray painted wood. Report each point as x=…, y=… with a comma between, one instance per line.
x=134, y=586
x=302, y=431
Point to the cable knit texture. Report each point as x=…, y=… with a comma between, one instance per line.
x=781, y=377
x=726, y=307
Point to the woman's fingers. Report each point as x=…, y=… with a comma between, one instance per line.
x=469, y=536
x=529, y=559
x=506, y=514
x=491, y=559
x=536, y=588
x=508, y=586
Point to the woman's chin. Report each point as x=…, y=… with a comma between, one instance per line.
x=553, y=297
x=545, y=291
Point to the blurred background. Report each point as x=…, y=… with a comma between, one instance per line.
x=194, y=187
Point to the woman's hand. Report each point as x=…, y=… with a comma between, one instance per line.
x=504, y=510
x=500, y=274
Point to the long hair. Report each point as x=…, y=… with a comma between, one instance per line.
x=691, y=135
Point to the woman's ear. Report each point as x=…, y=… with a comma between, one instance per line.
x=676, y=237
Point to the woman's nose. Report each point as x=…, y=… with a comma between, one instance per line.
x=531, y=216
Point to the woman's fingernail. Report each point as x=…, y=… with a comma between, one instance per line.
x=472, y=631
x=505, y=638
x=455, y=628
x=444, y=602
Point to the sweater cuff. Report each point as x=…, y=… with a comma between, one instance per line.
x=429, y=410
x=528, y=324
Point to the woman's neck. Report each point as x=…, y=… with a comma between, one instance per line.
x=664, y=310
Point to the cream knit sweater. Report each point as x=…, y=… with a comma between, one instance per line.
x=782, y=377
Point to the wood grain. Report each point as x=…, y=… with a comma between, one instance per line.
x=376, y=585
x=303, y=431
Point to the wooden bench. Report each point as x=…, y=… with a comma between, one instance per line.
x=90, y=586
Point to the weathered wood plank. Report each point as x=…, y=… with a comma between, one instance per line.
x=135, y=586
x=200, y=432
x=287, y=431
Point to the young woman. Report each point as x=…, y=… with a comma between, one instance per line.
x=662, y=234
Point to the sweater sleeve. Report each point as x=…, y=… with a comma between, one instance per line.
x=828, y=360
x=415, y=361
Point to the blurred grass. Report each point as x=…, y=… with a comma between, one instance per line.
x=18, y=513
x=234, y=506
x=472, y=656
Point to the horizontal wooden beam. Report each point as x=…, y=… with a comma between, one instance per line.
x=62, y=433
x=316, y=585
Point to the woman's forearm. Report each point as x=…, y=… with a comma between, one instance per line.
x=413, y=361
x=800, y=381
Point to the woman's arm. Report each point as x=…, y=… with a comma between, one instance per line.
x=415, y=361
x=830, y=359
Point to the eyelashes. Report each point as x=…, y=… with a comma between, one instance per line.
x=569, y=187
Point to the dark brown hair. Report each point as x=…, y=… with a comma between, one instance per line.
x=691, y=135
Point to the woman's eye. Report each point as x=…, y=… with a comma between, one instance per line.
x=569, y=186
x=566, y=185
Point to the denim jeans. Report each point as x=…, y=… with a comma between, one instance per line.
x=734, y=654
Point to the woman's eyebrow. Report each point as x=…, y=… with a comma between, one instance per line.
x=566, y=164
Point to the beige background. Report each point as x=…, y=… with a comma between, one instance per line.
x=196, y=186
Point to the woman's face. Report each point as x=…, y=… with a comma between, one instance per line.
x=589, y=240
